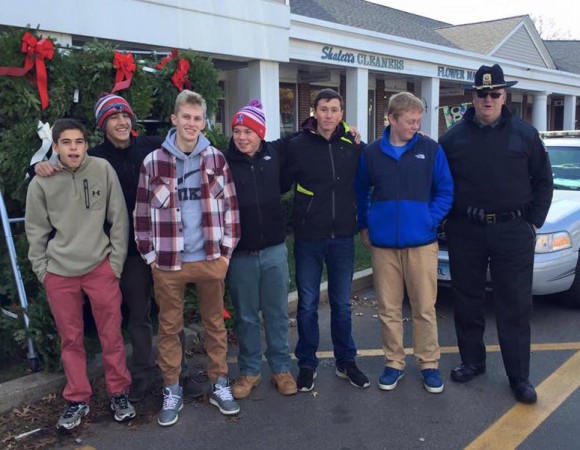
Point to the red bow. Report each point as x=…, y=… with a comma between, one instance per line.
x=168, y=58
x=179, y=78
x=36, y=52
x=125, y=65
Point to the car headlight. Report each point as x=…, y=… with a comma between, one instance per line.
x=552, y=242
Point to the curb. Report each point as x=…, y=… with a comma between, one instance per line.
x=34, y=387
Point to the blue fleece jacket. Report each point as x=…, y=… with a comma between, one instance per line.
x=403, y=194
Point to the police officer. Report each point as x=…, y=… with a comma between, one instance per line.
x=503, y=190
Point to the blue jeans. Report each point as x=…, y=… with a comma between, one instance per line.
x=338, y=254
x=260, y=283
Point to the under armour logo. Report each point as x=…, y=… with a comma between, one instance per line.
x=95, y=193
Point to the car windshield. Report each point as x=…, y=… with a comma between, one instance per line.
x=565, y=167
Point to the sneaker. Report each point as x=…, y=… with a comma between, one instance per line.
x=305, y=381
x=172, y=404
x=122, y=407
x=244, y=385
x=432, y=381
x=285, y=383
x=352, y=373
x=389, y=379
x=222, y=397
x=139, y=390
x=72, y=416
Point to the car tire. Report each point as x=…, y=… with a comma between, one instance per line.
x=571, y=298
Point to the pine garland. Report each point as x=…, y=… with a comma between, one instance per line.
x=76, y=79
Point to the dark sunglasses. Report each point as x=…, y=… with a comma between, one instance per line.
x=483, y=94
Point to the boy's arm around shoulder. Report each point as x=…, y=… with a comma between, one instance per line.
x=38, y=228
x=118, y=218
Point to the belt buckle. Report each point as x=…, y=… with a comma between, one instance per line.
x=490, y=219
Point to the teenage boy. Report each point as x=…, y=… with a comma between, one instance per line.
x=72, y=254
x=126, y=152
x=187, y=226
x=321, y=162
x=412, y=191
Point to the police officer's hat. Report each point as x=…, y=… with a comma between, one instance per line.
x=489, y=78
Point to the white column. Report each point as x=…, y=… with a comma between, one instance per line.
x=430, y=93
x=540, y=111
x=569, y=112
x=357, y=100
x=264, y=84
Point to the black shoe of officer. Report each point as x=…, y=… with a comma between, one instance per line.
x=524, y=391
x=467, y=372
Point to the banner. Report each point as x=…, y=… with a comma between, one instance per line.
x=454, y=113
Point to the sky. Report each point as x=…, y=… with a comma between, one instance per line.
x=556, y=14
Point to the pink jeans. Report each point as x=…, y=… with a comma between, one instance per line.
x=65, y=297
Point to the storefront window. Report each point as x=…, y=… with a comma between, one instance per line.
x=287, y=109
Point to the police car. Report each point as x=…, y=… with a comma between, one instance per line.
x=556, y=260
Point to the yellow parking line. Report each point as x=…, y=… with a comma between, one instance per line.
x=409, y=351
x=509, y=431
x=489, y=349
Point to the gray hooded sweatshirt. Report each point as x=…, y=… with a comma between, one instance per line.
x=189, y=188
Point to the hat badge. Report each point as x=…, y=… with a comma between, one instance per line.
x=486, y=80
x=240, y=118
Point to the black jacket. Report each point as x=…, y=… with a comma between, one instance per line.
x=323, y=172
x=257, y=182
x=499, y=168
x=127, y=163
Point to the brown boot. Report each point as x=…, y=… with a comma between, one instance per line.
x=244, y=385
x=285, y=383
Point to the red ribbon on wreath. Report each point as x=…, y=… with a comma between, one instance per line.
x=179, y=78
x=125, y=65
x=36, y=52
x=168, y=58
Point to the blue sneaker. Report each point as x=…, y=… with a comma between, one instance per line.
x=172, y=404
x=432, y=381
x=389, y=379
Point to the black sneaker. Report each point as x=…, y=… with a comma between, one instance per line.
x=139, y=390
x=305, y=380
x=352, y=373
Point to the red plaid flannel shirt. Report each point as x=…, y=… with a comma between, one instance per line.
x=157, y=215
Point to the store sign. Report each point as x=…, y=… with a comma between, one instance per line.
x=453, y=73
x=362, y=59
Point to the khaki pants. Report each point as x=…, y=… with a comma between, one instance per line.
x=169, y=286
x=416, y=269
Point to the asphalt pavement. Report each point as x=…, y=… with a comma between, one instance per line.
x=335, y=415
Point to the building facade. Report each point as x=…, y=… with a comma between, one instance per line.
x=283, y=52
